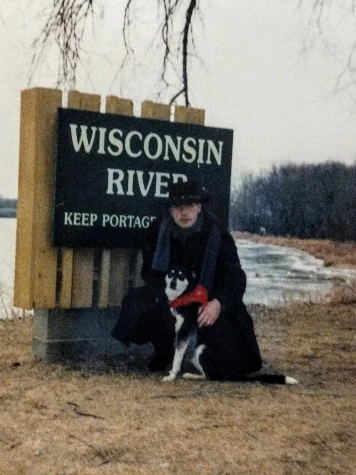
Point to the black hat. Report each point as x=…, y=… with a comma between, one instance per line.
x=186, y=193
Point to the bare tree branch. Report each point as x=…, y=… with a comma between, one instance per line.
x=66, y=23
x=187, y=30
x=328, y=21
x=65, y=26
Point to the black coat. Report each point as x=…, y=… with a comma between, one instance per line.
x=234, y=327
x=229, y=282
x=232, y=348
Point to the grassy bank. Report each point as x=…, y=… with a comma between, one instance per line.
x=116, y=418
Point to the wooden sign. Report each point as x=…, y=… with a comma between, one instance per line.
x=112, y=174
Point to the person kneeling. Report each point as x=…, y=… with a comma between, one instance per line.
x=189, y=236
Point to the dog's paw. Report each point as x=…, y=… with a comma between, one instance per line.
x=170, y=377
x=193, y=376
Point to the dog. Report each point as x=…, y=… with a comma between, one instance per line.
x=185, y=298
x=180, y=283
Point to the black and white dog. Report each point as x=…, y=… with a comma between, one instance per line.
x=179, y=286
x=185, y=299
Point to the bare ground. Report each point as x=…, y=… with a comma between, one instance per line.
x=116, y=418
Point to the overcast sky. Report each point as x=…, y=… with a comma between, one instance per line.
x=254, y=80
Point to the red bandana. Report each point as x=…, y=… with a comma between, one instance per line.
x=197, y=295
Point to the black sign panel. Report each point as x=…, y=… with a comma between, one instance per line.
x=112, y=174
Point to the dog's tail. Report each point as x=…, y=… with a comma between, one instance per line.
x=271, y=378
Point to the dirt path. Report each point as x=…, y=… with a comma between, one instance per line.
x=116, y=418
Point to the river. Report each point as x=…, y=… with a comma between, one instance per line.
x=275, y=274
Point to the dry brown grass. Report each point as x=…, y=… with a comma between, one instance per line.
x=116, y=418
x=343, y=293
x=333, y=253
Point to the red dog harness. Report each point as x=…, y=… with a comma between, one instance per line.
x=197, y=295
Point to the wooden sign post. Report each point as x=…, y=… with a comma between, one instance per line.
x=75, y=292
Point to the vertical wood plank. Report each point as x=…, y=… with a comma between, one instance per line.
x=189, y=115
x=104, y=278
x=136, y=271
x=25, y=256
x=152, y=110
x=83, y=259
x=65, y=296
x=46, y=255
x=118, y=275
x=80, y=100
x=83, y=277
x=36, y=259
x=117, y=105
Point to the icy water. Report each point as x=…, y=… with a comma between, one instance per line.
x=274, y=274
x=277, y=274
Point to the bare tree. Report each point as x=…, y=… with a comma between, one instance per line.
x=273, y=200
x=332, y=24
x=67, y=20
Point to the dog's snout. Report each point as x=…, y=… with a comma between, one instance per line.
x=173, y=284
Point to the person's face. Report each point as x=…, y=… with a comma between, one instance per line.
x=185, y=215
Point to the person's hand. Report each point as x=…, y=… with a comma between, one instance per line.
x=208, y=314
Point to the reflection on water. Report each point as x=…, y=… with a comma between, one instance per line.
x=277, y=274
x=274, y=274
